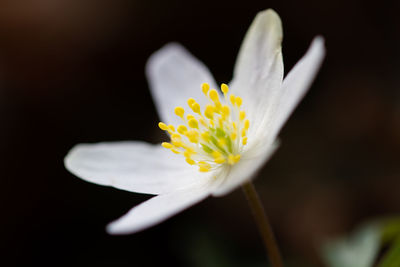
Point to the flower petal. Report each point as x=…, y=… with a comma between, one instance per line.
x=158, y=209
x=296, y=84
x=175, y=76
x=252, y=160
x=260, y=46
x=133, y=166
x=258, y=72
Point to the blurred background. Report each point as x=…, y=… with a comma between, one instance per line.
x=72, y=71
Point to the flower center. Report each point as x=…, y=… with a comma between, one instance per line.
x=211, y=138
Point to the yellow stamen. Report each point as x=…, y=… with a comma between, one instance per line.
x=167, y=145
x=209, y=112
x=182, y=129
x=231, y=159
x=220, y=160
x=216, y=154
x=242, y=115
x=221, y=142
x=193, y=123
x=190, y=102
x=243, y=132
x=232, y=99
x=171, y=128
x=244, y=141
x=162, y=126
x=234, y=126
x=205, y=87
x=214, y=95
x=189, y=117
x=204, y=166
x=190, y=161
x=224, y=88
x=179, y=111
x=177, y=143
x=246, y=124
x=226, y=110
x=196, y=108
x=193, y=136
x=188, y=153
x=213, y=136
x=175, y=137
x=238, y=101
x=176, y=151
x=205, y=136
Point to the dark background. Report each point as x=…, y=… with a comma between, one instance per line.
x=72, y=71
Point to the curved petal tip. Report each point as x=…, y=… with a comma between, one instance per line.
x=163, y=54
x=319, y=43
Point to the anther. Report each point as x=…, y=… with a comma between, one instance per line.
x=190, y=161
x=162, y=126
x=204, y=166
x=188, y=152
x=179, y=111
x=246, y=124
x=209, y=112
x=221, y=142
x=224, y=88
x=189, y=117
x=193, y=136
x=190, y=102
x=196, y=108
x=171, y=128
x=205, y=87
x=193, y=123
x=232, y=159
x=238, y=101
x=220, y=160
x=205, y=136
x=214, y=95
x=182, y=129
x=218, y=157
x=244, y=141
x=226, y=110
x=167, y=145
x=175, y=137
x=243, y=132
x=232, y=99
x=242, y=115
x=177, y=143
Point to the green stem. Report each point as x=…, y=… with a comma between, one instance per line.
x=263, y=224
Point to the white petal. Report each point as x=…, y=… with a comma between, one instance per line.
x=174, y=76
x=252, y=160
x=133, y=166
x=258, y=72
x=296, y=84
x=159, y=209
x=260, y=46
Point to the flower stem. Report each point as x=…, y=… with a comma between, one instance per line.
x=263, y=224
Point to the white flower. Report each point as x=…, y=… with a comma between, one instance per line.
x=226, y=144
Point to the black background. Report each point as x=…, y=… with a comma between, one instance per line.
x=72, y=71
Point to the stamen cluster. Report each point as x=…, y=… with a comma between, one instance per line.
x=211, y=137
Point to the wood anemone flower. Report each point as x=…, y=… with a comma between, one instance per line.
x=227, y=136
